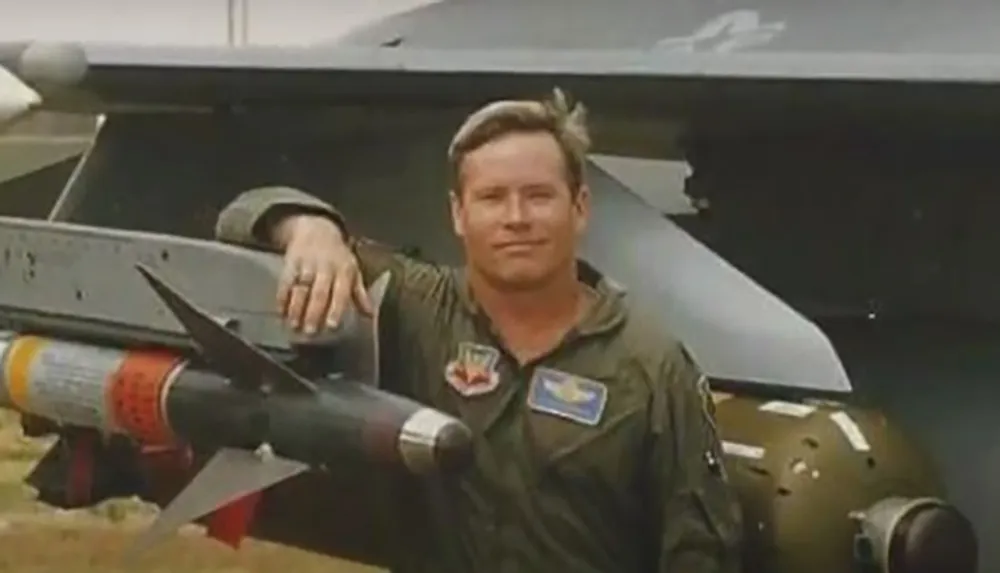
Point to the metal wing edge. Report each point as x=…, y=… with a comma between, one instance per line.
x=624, y=63
x=117, y=75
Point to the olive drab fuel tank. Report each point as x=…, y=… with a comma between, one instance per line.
x=828, y=488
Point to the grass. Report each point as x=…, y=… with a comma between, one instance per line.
x=35, y=538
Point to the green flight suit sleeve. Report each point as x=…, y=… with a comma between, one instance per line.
x=248, y=219
x=698, y=512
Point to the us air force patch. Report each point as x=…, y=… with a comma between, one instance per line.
x=566, y=396
x=474, y=371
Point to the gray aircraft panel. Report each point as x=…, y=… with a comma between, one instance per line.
x=708, y=91
x=918, y=26
x=734, y=329
x=658, y=55
x=70, y=62
x=82, y=280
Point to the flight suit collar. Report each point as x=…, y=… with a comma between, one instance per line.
x=608, y=311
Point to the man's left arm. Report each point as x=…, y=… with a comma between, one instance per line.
x=697, y=511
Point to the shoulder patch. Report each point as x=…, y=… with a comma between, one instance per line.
x=474, y=371
x=567, y=396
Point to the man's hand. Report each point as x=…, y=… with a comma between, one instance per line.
x=321, y=274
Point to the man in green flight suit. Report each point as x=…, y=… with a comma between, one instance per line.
x=595, y=444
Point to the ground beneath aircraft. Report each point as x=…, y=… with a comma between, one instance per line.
x=35, y=539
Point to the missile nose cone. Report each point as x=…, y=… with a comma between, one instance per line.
x=453, y=447
x=430, y=441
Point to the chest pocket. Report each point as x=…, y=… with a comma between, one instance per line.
x=583, y=431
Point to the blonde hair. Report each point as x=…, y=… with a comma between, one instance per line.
x=566, y=123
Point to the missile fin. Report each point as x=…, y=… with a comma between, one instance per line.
x=16, y=98
x=230, y=475
x=236, y=358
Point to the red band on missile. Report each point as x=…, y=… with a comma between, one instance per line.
x=230, y=523
x=135, y=395
x=166, y=470
x=81, y=469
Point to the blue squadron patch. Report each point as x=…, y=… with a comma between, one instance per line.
x=474, y=371
x=567, y=396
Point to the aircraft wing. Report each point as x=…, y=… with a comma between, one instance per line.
x=104, y=77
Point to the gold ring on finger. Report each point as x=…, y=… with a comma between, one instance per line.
x=304, y=277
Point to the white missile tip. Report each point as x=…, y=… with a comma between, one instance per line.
x=16, y=98
x=418, y=437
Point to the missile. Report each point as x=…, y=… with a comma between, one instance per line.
x=260, y=420
x=269, y=426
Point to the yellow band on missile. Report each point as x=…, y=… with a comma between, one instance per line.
x=17, y=369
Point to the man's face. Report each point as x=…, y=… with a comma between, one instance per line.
x=515, y=212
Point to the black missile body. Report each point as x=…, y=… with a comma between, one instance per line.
x=342, y=421
x=270, y=423
x=265, y=402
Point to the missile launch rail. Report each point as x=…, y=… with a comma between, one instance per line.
x=82, y=281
